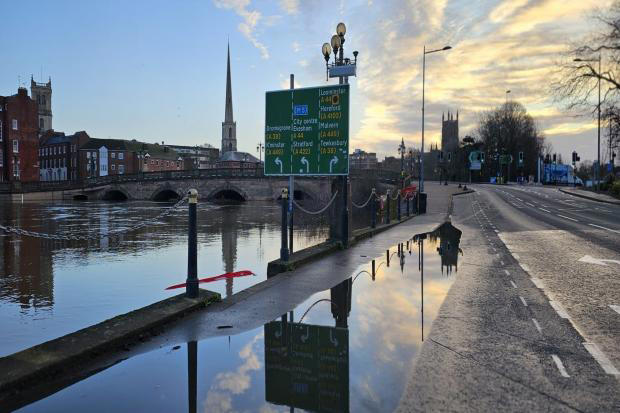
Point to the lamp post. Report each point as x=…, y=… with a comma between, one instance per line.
x=260, y=148
x=423, y=81
x=598, y=162
x=401, y=151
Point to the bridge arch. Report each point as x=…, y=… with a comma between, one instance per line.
x=115, y=194
x=228, y=193
x=165, y=193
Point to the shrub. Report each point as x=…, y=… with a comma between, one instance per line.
x=615, y=188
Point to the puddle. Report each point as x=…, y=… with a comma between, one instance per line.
x=346, y=349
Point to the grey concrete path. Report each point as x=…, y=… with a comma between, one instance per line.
x=499, y=343
x=582, y=193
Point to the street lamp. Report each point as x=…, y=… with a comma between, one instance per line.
x=260, y=148
x=598, y=162
x=423, y=81
x=401, y=150
x=342, y=67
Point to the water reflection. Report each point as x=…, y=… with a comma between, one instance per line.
x=351, y=350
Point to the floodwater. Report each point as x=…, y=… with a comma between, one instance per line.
x=346, y=349
x=51, y=288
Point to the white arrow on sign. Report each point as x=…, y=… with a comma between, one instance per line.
x=598, y=261
x=332, y=161
x=278, y=162
x=305, y=161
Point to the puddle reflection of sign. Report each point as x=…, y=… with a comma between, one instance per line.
x=307, y=366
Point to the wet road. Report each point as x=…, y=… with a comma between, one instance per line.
x=347, y=348
x=49, y=288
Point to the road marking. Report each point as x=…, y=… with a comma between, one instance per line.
x=565, y=217
x=537, y=325
x=608, y=229
x=523, y=301
x=546, y=210
x=616, y=308
x=559, y=365
x=598, y=261
x=520, y=199
x=525, y=267
x=533, y=206
x=494, y=249
x=513, y=284
x=496, y=231
x=559, y=309
x=538, y=283
x=506, y=271
x=601, y=358
x=501, y=262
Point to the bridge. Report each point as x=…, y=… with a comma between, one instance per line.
x=213, y=184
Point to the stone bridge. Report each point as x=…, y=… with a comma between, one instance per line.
x=212, y=184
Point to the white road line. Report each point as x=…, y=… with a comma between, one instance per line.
x=559, y=309
x=523, y=301
x=513, y=284
x=559, y=365
x=496, y=231
x=538, y=283
x=601, y=358
x=546, y=210
x=520, y=199
x=537, y=325
x=565, y=217
x=494, y=249
x=616, y=308
x=533, y=206
x=608, y=229
x=501, y=262
x=525, y=267
x=506, y=271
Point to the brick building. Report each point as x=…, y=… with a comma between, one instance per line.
x=19, y=141
x=58, y=155
x=360, y=159
x=197, y=157
x=153, y=157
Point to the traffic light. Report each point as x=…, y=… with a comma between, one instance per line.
x=520, y=157
x=482, y=156
x=449, y=156
x=547, y=158
x=575, y=157
x=441, y=155
x=554, y=158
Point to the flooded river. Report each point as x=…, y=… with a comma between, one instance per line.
x=49, y=288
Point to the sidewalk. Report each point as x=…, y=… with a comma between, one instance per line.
x=593, y=196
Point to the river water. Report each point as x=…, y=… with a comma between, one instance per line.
x=50, y=288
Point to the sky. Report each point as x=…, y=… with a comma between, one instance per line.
x=156, y=70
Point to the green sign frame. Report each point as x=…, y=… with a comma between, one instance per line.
x=307, y=131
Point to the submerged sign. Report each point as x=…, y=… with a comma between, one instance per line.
x=307, y=131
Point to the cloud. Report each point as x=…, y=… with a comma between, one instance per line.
x=290, y=6
x=251, y=18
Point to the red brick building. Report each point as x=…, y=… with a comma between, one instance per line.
x=58, y=155
x=19, y=141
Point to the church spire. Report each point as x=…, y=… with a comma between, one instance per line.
x=228, y=116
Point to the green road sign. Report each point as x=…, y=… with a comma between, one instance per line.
x=307, y=131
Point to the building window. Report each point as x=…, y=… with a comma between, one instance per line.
x=64, y=149
x=114, y=156
x=230, y=132
x=41, y=123
x=14, y=124
x=87, y=155
x=16, y=168
x=121, y=169
x=121, y=156
x=43, y=99
x=15, y=146
x=113, y=166
x=0, y=130
x=1, y=158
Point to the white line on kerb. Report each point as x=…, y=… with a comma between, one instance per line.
x=513, y=284
x=516, y=256
x=601, y=358
x=559, y=309
x=537, y=325
x=565, y=217
x=538, y=283
x=616, y=308
x=608, y=229
x=559, y=365
x=506, y=271
x=523, y=301
x=525, y=267
x=496, y=231
x=546, y=210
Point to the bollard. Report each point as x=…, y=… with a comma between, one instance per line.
x=373, y=205
x=387, y=201
x=191, y=286
x=408, y=199
x=398, y=253
x=284, y=253
x=387, y=254
x=398, y=202
x=373, y=270
x=407, y=244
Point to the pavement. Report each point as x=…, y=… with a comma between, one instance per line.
x=593, y=196
x=532, y=322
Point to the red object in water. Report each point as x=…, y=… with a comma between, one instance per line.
x=216, y=278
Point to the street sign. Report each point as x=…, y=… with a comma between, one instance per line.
x=307, y=131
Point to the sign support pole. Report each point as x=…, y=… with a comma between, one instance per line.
x=291, y=191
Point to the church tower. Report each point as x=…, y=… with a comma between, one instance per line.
x=42, y=94
x=229, y=126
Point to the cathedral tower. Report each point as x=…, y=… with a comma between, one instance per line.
x=229, y=126
x=42, y=94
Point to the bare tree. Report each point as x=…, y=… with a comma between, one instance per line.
x=578, y=75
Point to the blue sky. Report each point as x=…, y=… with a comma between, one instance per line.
x=155, y=70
